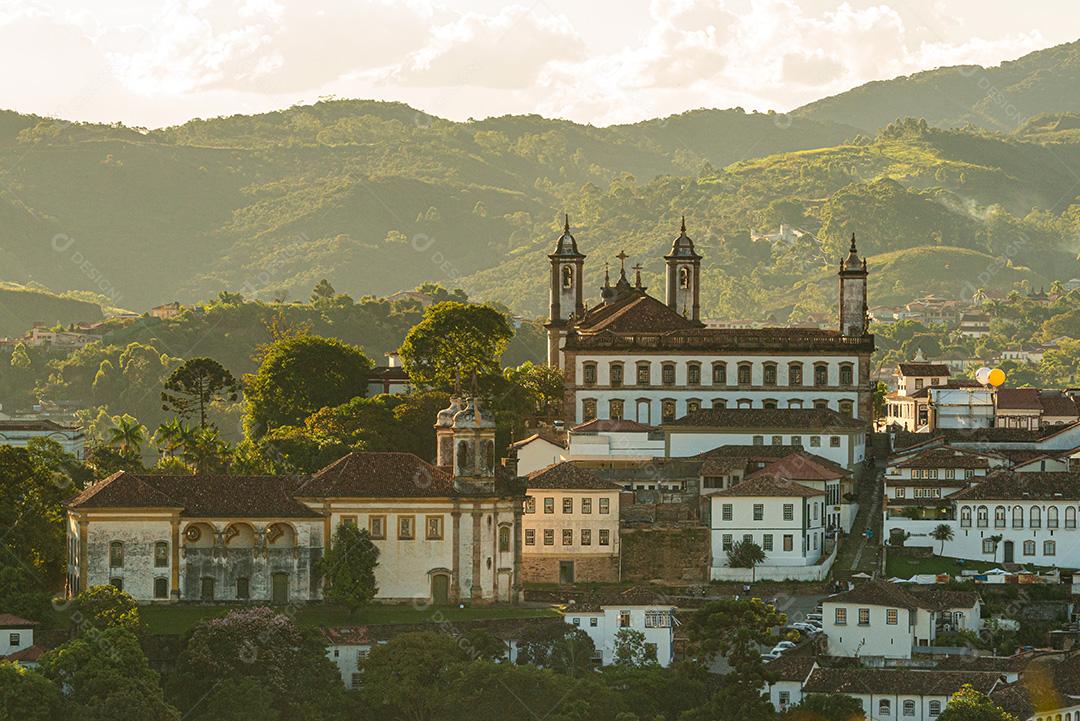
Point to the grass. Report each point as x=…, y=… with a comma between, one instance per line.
x=905, y=566
x=177, y=619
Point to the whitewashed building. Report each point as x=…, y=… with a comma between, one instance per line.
x=17, y=640
x=446, y=533
x=655, y=621
x=348, y=647
x=635, y=357
x=18, y=433
x=539, y=450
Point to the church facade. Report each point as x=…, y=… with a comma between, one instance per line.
x=446, y=533
x=635, y=357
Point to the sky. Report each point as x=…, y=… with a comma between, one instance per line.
x=161, y=62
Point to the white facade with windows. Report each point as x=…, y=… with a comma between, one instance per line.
x=656, y=622
x=846, y=447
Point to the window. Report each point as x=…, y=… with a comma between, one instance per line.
x=864, y=616
x=643, y=373
x=901, y=492
x=759, y=511
x=693, y=405
x=1018, y=517
x=841, y=616
x=981, y=517
x=568, y=537
x=586, y=505
x=725, y=512
x=785, y=699
x=433, y=526
x=950, y=474
x=815, y=441
x=884, y=707
x=719, y=403
x=794, y=374
x=909, y=708
x=13, y=639
x=624, y=619
x=891, y=616
x=1049, y=548
x=988, y=546
x=588, y=409
x=846, y=374
x=1035, y=517
x=549, y=536
x=693, y=374
x=348, y=520
x=1052, y=517
x=744, y=374
x=377, y=526
x=999, y=517
x=116, y=554
x=965, y=516
x=795, y=403
x=796, y=440
x=586, y=537
x=406, y=528
x=769, y=403
x=667, y=410
x=567, y=277
x=778, y=440
x=604, y=503
x=821, y=374
x=161, y=588
x=589, y=374
x=821, y=404
x=1029, y=548
x=615, y=374
x=834, y=441
x=243, y=588
x=725, y=542
x=161, y=554
x=117, y=583
x=1070, y=517
x=549, y=505
x=935, y=708
x=846, y=407
x=759, y=440
x=530, y=504
x=576, y=620
x=719, y=374
x=789, y=511
x=667, y=374
x=768, y=374
x=766, y=542
x=657, y=619
x=568, y=505
x=605, y=537
x=594, y=622
x=530, y=536
x=616, y=407
x=789, y=542
x=744, y=403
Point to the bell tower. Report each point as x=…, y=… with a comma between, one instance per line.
x=566, y=299
x=474, y=449
x=854, y=320
x=683, y=276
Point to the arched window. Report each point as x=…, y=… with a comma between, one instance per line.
x=935, y=708
x=794, y=374
x=567, y=277
x=667, y=410
x=719, y=403
x=981, y=517
x=1070, y=517
x=504, y=538
x=999, y=517
x=965, y=516
x=693, y=373
x=615, y=374
x=795, y=403
x=667, y=373
x=693, y=405
x=1052, y=517
x=1018, y=517
x=884, y=707
x=821, y=374
x=116, y=554
x=1029, y=548
x=644, y=373
x=464, y=457
x=769, y=403
x=821, y=403
x=909, y=708
x=588, y=371
x=1035, y=517
x=489, y=456
x=744, y=403
x=684, y=277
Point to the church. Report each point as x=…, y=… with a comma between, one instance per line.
x=446, y=533
x=638, y=358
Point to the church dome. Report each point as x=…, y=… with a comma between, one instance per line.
x=474, y=415
x=683, y=246
x=852, y=262
x=445, y=419
x=566, y=246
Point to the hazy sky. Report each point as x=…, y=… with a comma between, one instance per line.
x=160, y=62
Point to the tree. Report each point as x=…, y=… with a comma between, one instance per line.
x=26, y=695
x=195, y=385
x=735, y=630
x=557, y=646
x=127, y=435
x=106, y=677
x=205, y=452
x=287, y=662
x=967, y=704
x=942, y=532
x=630, y=648
x=322, y=291
x=237, y=700
x=349, y=566
x=171, y=436
x=298, y=376
x=745, y=554
x=32, y=494
x=412, y=677
x=24, y=593
x=100, y=607
x=826, y=707
x=455, y=341
x=20, y=359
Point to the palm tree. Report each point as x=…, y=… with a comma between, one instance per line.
x=127, y=434
x=170, y=436
x=942, y=533
x=205, y=451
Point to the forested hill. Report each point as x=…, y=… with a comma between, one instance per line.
x=998, y=98
x=379, y=197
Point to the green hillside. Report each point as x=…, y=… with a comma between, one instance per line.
x=21, y=307
x=997, y=98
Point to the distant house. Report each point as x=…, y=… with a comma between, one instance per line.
x=17, y=640
x=975, y=324
x=390, y=378
x=166, y=311
x=347, y=647
x=539, y=450
x=19, y=433
x=655, y=621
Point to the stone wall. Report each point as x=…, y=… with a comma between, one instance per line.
x=544, y=568
x=666, y=553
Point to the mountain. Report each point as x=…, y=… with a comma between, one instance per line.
x=997, y=98
x=21, y=307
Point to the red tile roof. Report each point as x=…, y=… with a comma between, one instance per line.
x=877, y=593
x=945, y=458
x=30, y=654
x=768, y=486
x=924, y=369
x=10, y=620
x=637, y=313
x=1010, y=486
x=375, y=475
x=897, y=681
x=1016, y=399
x=802, y=466
x=542, y=435
x=568, y=476
x=608, y=425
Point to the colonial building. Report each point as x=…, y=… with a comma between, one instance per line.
x=570, y=527
x=17, y=640
x=656, y=622
x=18, y=433
x=635, y=357
x=446, y=533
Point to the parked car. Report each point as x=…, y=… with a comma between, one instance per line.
x=806, y=628
x=811, y=617
x=770, y=656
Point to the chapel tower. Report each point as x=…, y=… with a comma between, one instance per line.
x=683, y=277
x=854, y=320
x=566, y=298
x=474, y=449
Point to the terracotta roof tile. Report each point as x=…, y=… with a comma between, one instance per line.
x=30, y=654
x=876, y=593
x=897, y=681
x=924, y=369
x=768, y=486
x=945, y=458
x=1016, y=399
x=10, y=620
x=375, y=475
x=823, y=420
x=569, y=476
x=637, y=313
x=790, y=667
x=1010, y=486
x=942, y=599
x=543, y=435
x=802, y=466
x=608, y=425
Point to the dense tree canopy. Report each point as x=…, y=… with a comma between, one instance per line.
x=454, y=343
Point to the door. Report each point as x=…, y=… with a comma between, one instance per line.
x=207, y=591
x=1009, y=552
x=279, y=588
x=440, y=589
x=566, y=572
